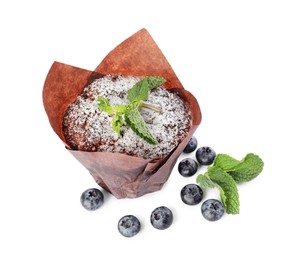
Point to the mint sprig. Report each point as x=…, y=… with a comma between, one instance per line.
x=129, y=114
x=224, y=175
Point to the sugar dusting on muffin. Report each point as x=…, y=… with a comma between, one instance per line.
x=87, y=128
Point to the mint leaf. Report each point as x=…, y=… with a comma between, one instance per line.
x=117, y=122
x=135, y=121
x=227, y=187
x=104, y=105
x=225, y=162
x=205, y=182
x=245, y=170
x=249, y=168
x=120, y=108
x=155, y=81
x=215, y=177
x=140, y=91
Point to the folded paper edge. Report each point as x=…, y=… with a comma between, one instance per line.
x=139, y=55
x=57, y=95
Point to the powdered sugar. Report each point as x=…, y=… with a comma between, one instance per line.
x=87, y=128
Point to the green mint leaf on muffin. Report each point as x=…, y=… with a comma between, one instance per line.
x=129, y=114
x=135, y=121
x=117, y=122
x=224, y=175
x=141, y=90
x=120, y=108
x=105, y=106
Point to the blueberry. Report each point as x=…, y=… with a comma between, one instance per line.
x=205, y=155
x=212, y=209
x=92, y=199
x=129, y=226
x=161, y=218
x=191, y=194
x=191, y=146
x=188, y=167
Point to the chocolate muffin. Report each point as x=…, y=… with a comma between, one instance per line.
x=87, y=128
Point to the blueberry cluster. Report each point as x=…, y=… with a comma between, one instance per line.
x=192, y=194
x=161, y=217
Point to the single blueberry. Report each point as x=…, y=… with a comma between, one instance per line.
x=212, y=209
x=205, y=155
x=161, y=218
x=188, y=167
x=191, y=146
x=129, y=226
x=191, y=194
x=92, y=199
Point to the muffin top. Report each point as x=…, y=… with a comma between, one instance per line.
x=87, y=128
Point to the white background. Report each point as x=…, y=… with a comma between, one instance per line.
x=240, y=59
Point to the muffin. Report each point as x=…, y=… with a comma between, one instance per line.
x=122, y=163
x=87, y=128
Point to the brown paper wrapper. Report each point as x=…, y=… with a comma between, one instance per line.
x=122, y=175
